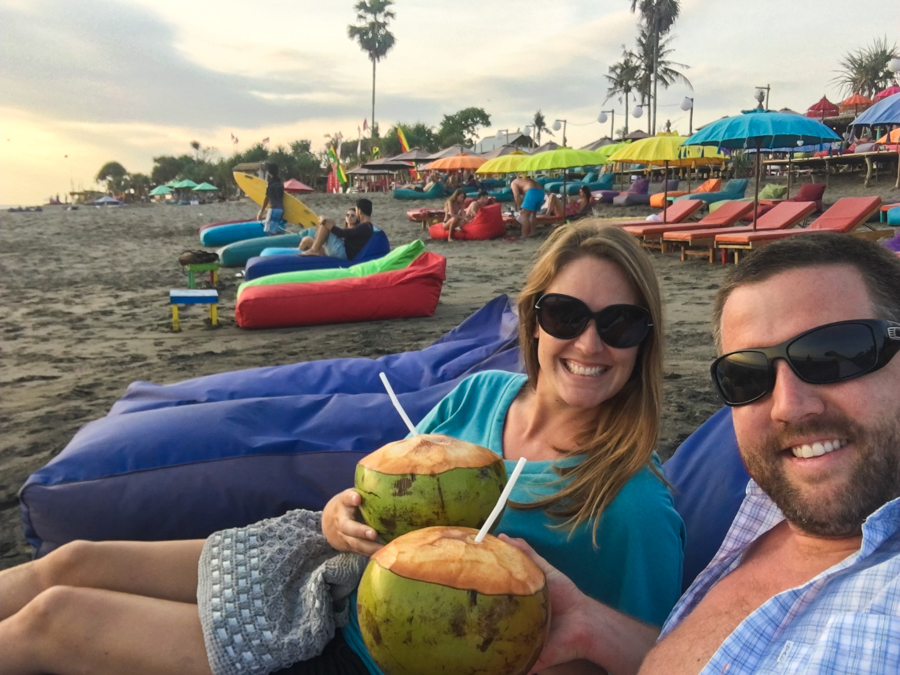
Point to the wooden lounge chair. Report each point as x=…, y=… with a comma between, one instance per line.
x=702, y=242
x=676, y=213
x=651, y=233
x=845, y=216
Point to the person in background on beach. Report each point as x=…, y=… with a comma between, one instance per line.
x=339, y=242
x=454, y=212
x=586, y=414
x=808, y=577
x=528, y=195
x=273, y=205
x=575, y=208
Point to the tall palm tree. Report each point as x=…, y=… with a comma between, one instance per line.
x=623, y=78
x=658, y=17
x=666, y=70
x=865, y=70
x=540, y=126
x=372, y=34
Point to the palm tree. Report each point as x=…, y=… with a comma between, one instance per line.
x=624, y=78
x=372, y=34
x=865, y=71
x=666, y=70
x=658, y=17
x=540, y=126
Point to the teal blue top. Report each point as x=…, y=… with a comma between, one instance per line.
x=636, y=565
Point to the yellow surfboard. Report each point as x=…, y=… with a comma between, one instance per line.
x=295, y=211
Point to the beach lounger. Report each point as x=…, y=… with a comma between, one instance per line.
x=651, y=233
x=844, y=216
x=703, y=241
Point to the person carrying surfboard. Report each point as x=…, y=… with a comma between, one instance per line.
x=273, y=204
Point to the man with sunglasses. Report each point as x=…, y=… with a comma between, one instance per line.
x=343, y=243
x=808, y=577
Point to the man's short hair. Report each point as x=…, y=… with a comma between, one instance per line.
x=365, y=206
x=482, y=193
x=272, y=169
x=878, y=266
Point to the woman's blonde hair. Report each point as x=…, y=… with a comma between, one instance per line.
x=627, y=426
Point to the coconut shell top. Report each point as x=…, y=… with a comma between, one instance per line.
x=428, y=454
x=450, y=557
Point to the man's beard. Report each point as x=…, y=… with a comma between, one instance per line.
x=872, y=480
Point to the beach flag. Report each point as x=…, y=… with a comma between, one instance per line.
x=234, y=139
x=375, y=151
x=359, y=144
x=265, y=140
x=366, y=124
x=339, y=170
x=405, y=146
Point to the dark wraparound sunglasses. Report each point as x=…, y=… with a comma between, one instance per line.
x=827, y=354
x=619, y=326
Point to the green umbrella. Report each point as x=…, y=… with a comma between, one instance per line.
x=561, y=158
x=160, y=190
x=205, y=187
x=186, y=183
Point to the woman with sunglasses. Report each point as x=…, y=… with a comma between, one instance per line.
x=586, y=416
x=590, y=500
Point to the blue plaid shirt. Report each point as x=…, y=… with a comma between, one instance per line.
x=845, y=620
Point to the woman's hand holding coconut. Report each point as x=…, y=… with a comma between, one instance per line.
x=342, y=527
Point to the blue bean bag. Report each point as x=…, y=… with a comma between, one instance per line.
x=709, y=480
x=261, y=266
x=228, y=233
x=436, y=192
x=183, y=460
x=502, y=194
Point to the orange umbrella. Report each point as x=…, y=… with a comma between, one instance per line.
x=855, y=102
x=893, y=137
x=461, y=161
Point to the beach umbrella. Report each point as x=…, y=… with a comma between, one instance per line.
x=186, y=183
x=599, y=143
x=892, y=137
x=549, y=145
x=762, y=129
x=884, y=112
x=854, y=103
x=449, y=152
x=637, y=135
x=160, y=190
x=416, y=156
x=205, y=187
x=608, y=150
x=456, y=163
x=503, y=164
x=502, y=150
x=823, y=108
x=884, y=93
x=665, y=150
x=388, y=164
x=294, y=186
x=560, y=158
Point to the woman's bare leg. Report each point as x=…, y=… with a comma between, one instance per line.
x=68, y=630
x=554, y=207
x=166, y=570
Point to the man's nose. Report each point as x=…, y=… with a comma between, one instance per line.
x=794, y=400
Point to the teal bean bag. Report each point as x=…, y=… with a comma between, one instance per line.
x=436, y=192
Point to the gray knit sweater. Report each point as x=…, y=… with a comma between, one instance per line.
x=271, y=594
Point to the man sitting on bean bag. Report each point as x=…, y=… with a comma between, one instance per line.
x=343, y=243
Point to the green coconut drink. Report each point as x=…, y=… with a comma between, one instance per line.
x=435, y=601
x=428, y=480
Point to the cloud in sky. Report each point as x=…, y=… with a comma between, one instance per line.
x=130, y=79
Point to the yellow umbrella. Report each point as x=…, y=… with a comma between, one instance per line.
x=665, y=150
x=504, y=164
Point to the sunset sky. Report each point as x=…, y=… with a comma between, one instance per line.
x=97, y=80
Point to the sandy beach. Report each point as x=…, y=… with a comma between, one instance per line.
x=85, y=312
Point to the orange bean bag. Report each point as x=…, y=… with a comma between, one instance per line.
x=487, y=224
x=711, y=185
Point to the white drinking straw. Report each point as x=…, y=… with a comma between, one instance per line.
x=396, y=402
x=502, y=501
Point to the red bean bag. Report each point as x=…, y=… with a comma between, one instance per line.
x=487, y=224
x=400, y=294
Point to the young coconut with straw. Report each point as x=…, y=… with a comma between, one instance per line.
x=586, y=416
